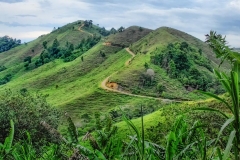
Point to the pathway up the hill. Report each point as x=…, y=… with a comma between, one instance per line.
x=128, y=62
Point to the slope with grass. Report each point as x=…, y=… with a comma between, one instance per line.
x=74, y=86
x=135, y=78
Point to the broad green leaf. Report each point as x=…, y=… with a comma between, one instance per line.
x=229, y=145
x=219, y=154
x=100, y=155
x=9, y=139
x=212, y=110
x=227, y=122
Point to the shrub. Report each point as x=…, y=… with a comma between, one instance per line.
x=27, y=111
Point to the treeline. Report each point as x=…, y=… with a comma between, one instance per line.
x=67, y=53
x=6, y=43
x=102, y=30
x=180, y=61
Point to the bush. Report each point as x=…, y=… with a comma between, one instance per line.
x=160, y=88
x=27, y=111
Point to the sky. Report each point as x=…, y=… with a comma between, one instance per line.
x=28, y=19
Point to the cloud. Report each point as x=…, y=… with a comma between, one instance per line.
x=26, y=15
x=11, y=1
x=195, y=17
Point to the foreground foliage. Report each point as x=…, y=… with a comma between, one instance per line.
x=27, y=111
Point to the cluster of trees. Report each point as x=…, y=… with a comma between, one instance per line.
x=6, y=43
x=2, y=68
x=27, y=61
x=105, y=32
x=88, y=23
x=5, y=79
x=179, y=60
x=102, y=30
x=67, y=53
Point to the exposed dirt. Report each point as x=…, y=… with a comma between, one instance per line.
x=80, y=29
x=107, y=44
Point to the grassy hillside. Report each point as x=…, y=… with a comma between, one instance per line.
x=158, y=124
x=74, y=86
x=134, y=79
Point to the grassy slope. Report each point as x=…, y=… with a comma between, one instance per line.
x=13, y=59
x=128, y=36
x=129, y=78
x=73, y=86
x=158, y=124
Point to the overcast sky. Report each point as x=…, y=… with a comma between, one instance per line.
x=28, y=19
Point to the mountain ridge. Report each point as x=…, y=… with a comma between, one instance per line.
x=73, y=85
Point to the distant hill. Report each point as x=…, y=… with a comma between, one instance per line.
x=6, y=43
x=236, y=49
x=127, y=36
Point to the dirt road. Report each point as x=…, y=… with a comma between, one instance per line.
x=128, y=62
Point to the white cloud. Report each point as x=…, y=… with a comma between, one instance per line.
x=235, y=4
x=25, y=19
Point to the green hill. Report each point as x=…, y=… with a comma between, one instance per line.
x=190, y=58
x=72, y=86
x=69, y=65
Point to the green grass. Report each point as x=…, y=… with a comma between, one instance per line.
x=158, y=124
x=129, y=80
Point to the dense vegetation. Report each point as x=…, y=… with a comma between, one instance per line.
x=67, y=52
x=179, y=61
x=27, y=111
x=6, y=43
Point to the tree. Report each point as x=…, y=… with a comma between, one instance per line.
x=200, y=51
x=113, y=31
x=172, y=69
x=7, y=43
x=121, y=29
x=45, y=44
x=28, y=59
x=88, y=23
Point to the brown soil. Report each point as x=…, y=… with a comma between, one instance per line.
x=80, y=29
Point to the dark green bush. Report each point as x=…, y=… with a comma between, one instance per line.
x=27, y=111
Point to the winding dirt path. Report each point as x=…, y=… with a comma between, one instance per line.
x=128, y=62
x=80, y=29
